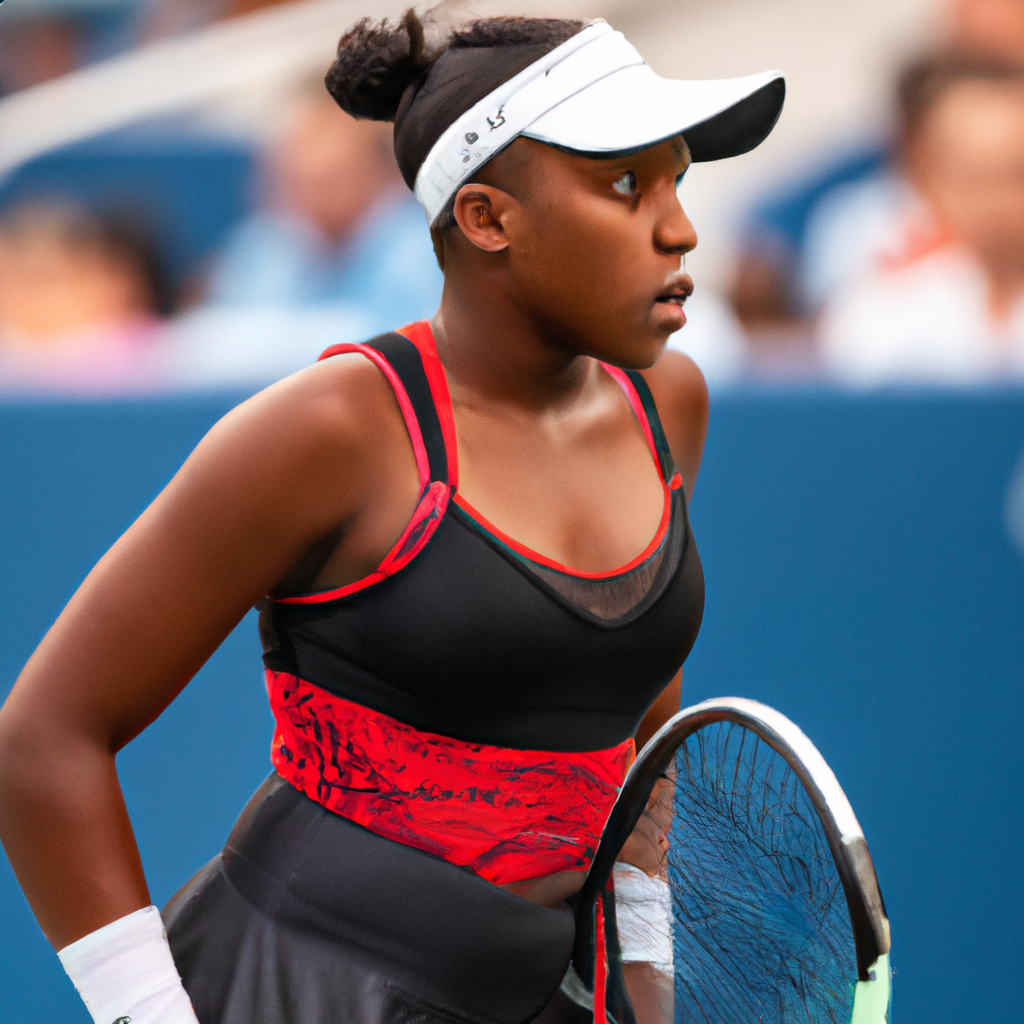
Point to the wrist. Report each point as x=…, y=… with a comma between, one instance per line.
x=643, y=915
x=124, y=972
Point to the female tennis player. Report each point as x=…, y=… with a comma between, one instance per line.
x=482, y=583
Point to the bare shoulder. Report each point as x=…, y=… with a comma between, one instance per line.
x=310, y=455
x=335, y=404
x=681, y=396
x=322, y=428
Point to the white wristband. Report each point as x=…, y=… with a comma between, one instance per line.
x=125, y=974
x=643, y=915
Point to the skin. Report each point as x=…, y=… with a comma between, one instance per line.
x=992, y=28
x=550, y=268
x=328, y=168
x=53, y=284
x=967, y=161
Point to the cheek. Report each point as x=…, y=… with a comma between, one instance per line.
x=588, y=255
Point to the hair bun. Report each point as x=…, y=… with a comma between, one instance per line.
x=377, y=61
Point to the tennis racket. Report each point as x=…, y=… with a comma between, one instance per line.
x=776, y=912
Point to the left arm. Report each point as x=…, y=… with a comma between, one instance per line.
x=682, y=399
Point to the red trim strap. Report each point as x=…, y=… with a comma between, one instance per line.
x=421, y=335
x=622, y=379
x=429, y=511
x=506, y=814
x=550, y=563
x=434, y=501
x=412, y=424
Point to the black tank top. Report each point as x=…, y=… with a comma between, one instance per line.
x=463, y=632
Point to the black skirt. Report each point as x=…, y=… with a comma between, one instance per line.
x=307, y=918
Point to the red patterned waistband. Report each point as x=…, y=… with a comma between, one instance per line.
x=505, y=814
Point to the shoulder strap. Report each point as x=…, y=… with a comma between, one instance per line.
x=402, y=364
x=665, y=460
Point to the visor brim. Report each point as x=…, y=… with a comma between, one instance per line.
x=634, y=108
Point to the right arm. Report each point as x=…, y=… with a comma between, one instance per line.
x=323, y=452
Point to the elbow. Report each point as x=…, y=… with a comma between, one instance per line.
x=36, y=755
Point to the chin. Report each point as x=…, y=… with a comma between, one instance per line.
x=644, y=351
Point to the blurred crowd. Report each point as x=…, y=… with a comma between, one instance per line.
x=899, y=264
x=905, y=264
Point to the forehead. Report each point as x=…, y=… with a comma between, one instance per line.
x=978, y=120
x=977, y=107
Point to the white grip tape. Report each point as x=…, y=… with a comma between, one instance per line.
x=643, y=916
x=125, y=973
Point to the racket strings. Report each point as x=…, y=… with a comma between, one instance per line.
x=761, y=928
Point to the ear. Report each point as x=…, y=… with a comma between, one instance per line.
x=480, y=211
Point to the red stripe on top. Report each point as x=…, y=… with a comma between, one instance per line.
x=506, y=814
x=550, y=563
x=433, y=503
x=429, y=513
x=626, y=385
x=421, y=335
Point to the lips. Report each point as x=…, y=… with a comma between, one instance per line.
x=677, y=290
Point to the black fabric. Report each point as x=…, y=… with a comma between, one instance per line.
x=613, y=602
x=401, y=353
x=306, y=918
x=459, y=79
x=466, y=641
x=665, y=462
x=613, y=599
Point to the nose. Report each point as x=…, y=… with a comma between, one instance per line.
x=673, y=232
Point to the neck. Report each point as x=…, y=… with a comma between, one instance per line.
x=494, y=350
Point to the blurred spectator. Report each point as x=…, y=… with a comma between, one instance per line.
x=340, y=250
x=949, y=305
x=81, y=301
x=988, y=28
x=339, y=223
x=800, y=245
x=43, y=39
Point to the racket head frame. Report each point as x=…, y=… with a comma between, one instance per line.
x=842, y=831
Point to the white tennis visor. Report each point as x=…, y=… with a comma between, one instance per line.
x=594, y=95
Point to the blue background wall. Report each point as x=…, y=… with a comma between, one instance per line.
x=860, y=578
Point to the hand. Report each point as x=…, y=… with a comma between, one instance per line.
x=648, y=843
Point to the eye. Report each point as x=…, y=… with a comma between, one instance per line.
x=626, y=185
x=681, y=175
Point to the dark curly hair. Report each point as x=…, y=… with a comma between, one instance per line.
x=378, y=60
x=387, y=71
